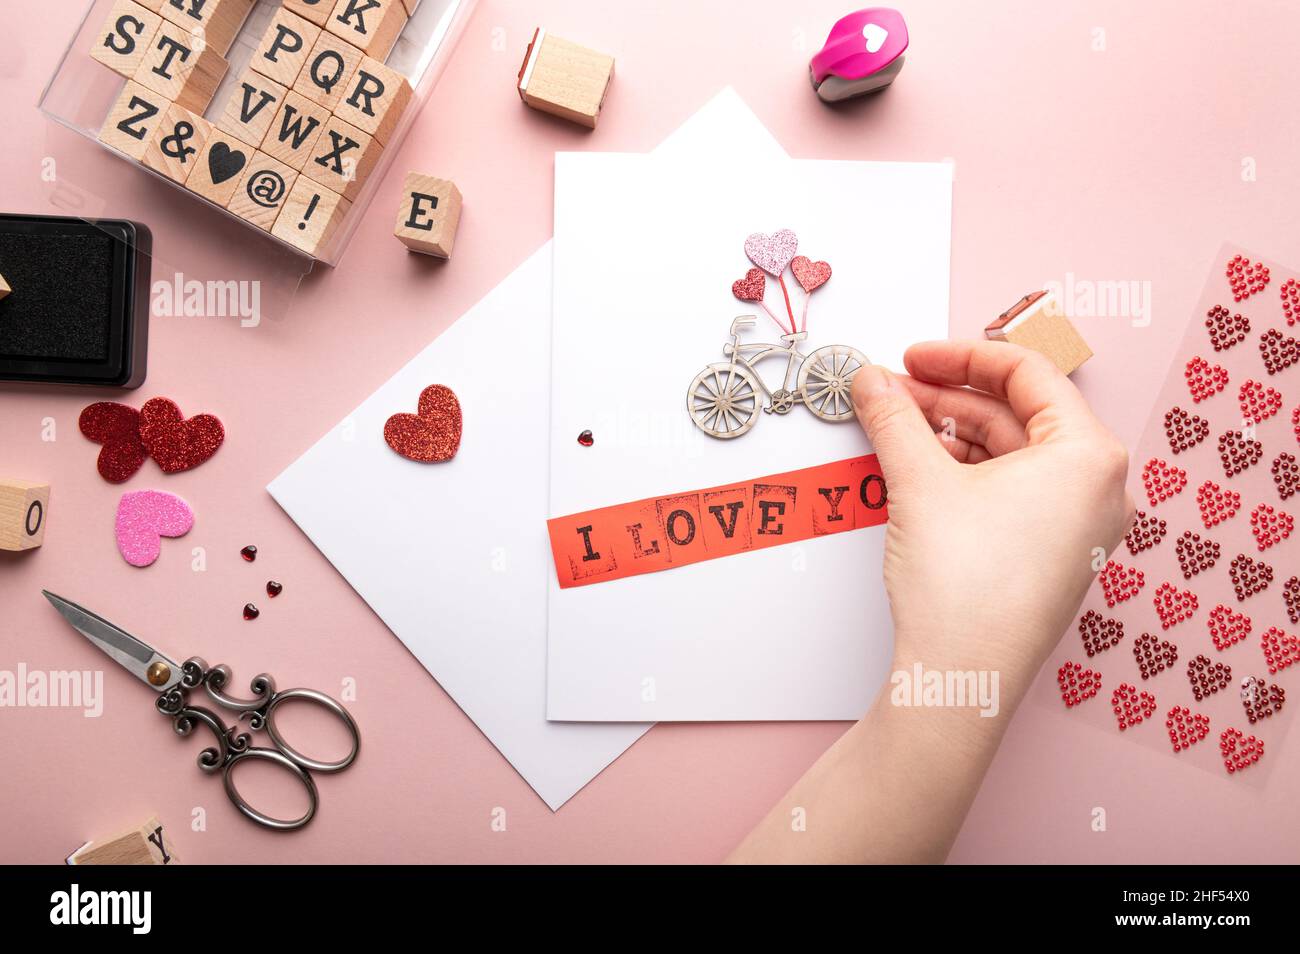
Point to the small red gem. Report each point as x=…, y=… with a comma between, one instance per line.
x=249, y=553
x=586, y=439
x=251, y=611
x=273, y=589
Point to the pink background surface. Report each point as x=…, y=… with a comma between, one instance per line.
x=1121, y=164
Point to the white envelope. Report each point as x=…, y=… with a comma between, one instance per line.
x=475, y=617
x=646, y=250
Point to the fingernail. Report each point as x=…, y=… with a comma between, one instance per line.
x=873, y=379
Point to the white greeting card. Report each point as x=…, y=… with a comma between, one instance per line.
x=646, y=251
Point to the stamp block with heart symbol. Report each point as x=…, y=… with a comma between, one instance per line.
x=219, y=167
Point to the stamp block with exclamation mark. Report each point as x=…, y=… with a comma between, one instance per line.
x=310, y=217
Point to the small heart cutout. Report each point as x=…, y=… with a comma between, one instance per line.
x=433, y=433
x=144, y=517
x=224, y=163
x=810, y=274
x=117, y=427
x=176, y=443
x=772, y=253
x=751, y=287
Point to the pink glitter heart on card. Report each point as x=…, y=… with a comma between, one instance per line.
x=772, y=253
x=810, y=274
x=144, y=517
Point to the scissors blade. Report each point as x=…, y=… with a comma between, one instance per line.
x=136, y=657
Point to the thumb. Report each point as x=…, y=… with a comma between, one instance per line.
x=902, y=437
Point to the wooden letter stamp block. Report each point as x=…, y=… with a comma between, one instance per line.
x=565, y=79
x=317, y=11
x=219, y=20
x=375, y=99
x=343, y=159
x=145, y=844
x=4, y=288
x=372, y=26
x=178, y=66
x=329, y=70
x=133, y=119
x=262, y=189
x=429, y=214
x=295, y=130
x=23, y=506
x=252, y=105
x=176, y=143
x=218, y=167
x=124, y=37
x=284, y=47
x=311, y=216
x=1038, y=322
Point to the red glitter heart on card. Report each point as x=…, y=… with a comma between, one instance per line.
x=1204, y=380
x=1237, y=452
x=1217, y=504
x=1261, y=699
x=1291, y=596
x=176, y=443
x=1278, y=351
x=1249, y=576
x=1162, y=480
x=1286, y=475
x=1270, y=526
x=1290, y=301
x=751, y=287
x=1145, y=533
x=1195, y=554
x=1183, y=430
x=1227, y=627
x=1226, y=329
x=772, y=253
x=1207, y=676
x=1185, y=727
x=810, y=274
x=1119, y=582
x=1239, y=750
x=1245, y=278
x=1174, y=605
x=117, y=427
x=1131, y=706
x=1099, y=632
x=432, y=434
x=1280, y=649
x=1077, y=684
x=1153, y=655
x=1258, y=403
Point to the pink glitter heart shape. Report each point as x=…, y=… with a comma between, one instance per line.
x=772, y=253
x=810, y=274
x=144, y=517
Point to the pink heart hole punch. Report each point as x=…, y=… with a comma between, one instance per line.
x=863, y=53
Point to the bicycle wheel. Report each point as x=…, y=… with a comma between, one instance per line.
x=723, y=400
x=825, y=378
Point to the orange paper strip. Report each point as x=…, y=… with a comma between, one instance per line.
x=659, y=533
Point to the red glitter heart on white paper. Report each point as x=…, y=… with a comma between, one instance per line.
x=433, y=434
x=810, y=274
x=751, y=287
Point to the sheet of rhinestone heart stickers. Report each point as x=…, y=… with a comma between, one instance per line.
x=1189, y=640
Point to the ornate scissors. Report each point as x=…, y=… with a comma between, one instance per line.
x=173, y=684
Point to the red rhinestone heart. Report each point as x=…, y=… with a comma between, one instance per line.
x=1286, y=474
x=1204, y=380
x=1131, y=706
x=1245, y=278
x=1249, y=576
x=1162, y=480
x=1153, y=655
x=1237, y=452
x=1295, y=423
x=1261, y=699
x=751, y=287
x=1226, y=329
x=1195, y=554
x=1207, y=677
x=176, y=443
x=1145, y=533
x=1186, y=728
x=1099, y=632
x=1291, y=596
x=1278, y=351
x=431, y=435
x=1119, y=582
x=1227, y=627
x=117, y=427
x=1258, y=403
x=1270, y=526
x=1290, y=301
x=1239, y=750
x=1184, y=431
x=1280, y=649
x=1216, y=504
x=1174, y=605
x=809, y=274
x=1077, y=684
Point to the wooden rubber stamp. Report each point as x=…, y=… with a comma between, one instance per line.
x=429, y=215
x=219, y=20
x=284, y=47
x=295, y=130
x=124, y=37
x=343, y=158
x=328, y=71
x=217, y=169
x=564, y=79
x=1037, y=321
x=311, y=216
x=375, y=99
x=178, y=66
x=133, y=119
x=4, y=288
x=372, y=26
x=262, y=189
x=145, y=844
x=23, y=508
x=176, y=143
x=317, y=11
x=252, y=105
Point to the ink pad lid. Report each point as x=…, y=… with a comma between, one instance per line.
x=78, y=311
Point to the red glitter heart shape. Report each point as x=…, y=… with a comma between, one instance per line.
x=1195, y=554
x=1226, y=329
x=810, y=274
x=1291, y=596
x=1131, y=706
x=117, y=427
x=1077, y=684
x=1183, y=430
x=1239, y=750
x=1278, y=351
x=433, y=433
x=1237, y=452
x=1261, y=699
x=1286, y=475
x=1099, y=632
x=1227, y=627
x=1119, y=582
x=1153, y=655
x=1185, y=727
x=1216, y=504
x=751, y=287
x=1204, y=380
x=1174, y=605
x=1249, y=576
x=1162, y=480
x=1258, y=403
x=1290, y=291
x=1145, y=533
x=1270, y=526
x=1207, y=676
x=1245, y=278
x=176, y=443
x=1280, y=649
